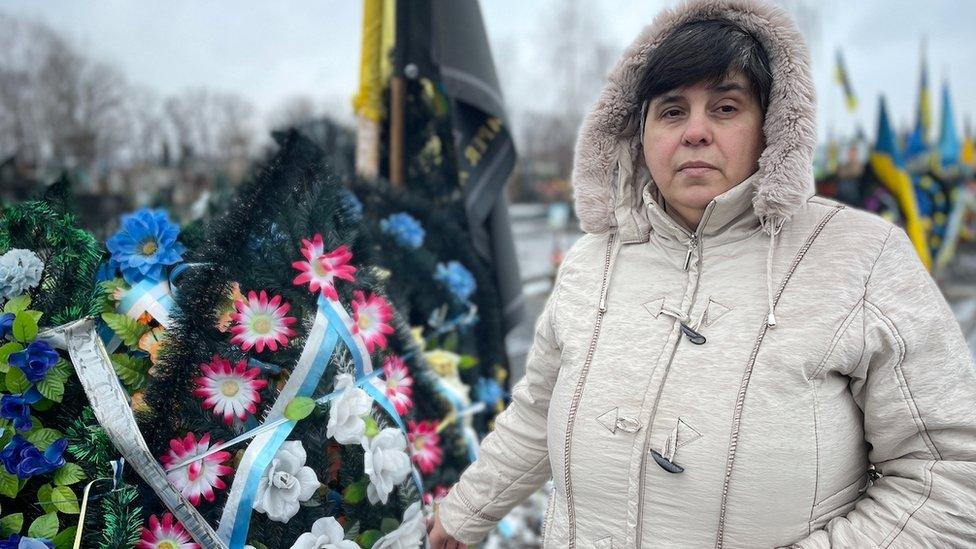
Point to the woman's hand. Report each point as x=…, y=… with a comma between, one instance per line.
x=439, y=538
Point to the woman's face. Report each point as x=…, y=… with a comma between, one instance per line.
x=701, y=141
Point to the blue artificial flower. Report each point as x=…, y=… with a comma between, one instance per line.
x=11, y=453
x=17, y=542
x=488, y=390
x=354, y=207
x=16, y=408
x=405, y=229
x=25, y=460
x=459, y=281
x=6, y=324
x=35, y=360
x=20, y=270
x=145, y=244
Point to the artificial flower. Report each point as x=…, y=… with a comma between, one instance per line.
x=371, y=317
x=346, y=424
x=320, y=270
x=200, y=477
x=165, y=534
x=225, y=311
x=25, y=460
x=326, y=533
x=445, y=363
x=404, y=229
x=457, y=279
x=231, y=391
x=20, y=270
x=261, y=322
x=410, y=533
x=152, y=341
x=427, y=453
x=6, y=324
x=286, y=483
x=15, y=541
x=385, y=462
x=397, y=384
x=353, y=206
x=16, y=408
x=35, y=360
x=488, y=390
x=435, y=496
x=144, y=245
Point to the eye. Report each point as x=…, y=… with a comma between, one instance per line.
x=727, y=109
x=671, y=113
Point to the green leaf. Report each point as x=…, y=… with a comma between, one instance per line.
x=11, y=524
x=128, y=329
x=368, y=538
x=467, y=362
x=6, y=350
x=65, y=538
x=388, y=525
x=355, y=492
x=64, y=498
x=45, y=526
x=372, y=429
x=16, y=381
x=44, y=498
x=36, y=315
x=25, y=327
x=62, y=370
x=299, y=408
x=69, y=473
x=9, y=485
x=43, y=405
x=131, y=370
x=51, y=388
x=17, y=304
x=42, y=438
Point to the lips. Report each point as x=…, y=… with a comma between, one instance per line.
x=696, y=166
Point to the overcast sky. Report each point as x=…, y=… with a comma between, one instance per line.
x=269, y=51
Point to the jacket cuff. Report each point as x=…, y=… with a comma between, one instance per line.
x=461, y=521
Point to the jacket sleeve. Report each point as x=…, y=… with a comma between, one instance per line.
x=514, y=459
x=916, y=386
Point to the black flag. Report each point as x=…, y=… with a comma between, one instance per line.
x=445, y=40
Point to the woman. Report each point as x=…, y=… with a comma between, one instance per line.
x=726, y=359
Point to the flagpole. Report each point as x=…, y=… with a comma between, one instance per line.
x=397, y=100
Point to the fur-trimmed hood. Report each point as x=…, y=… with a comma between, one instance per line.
x=608, y=145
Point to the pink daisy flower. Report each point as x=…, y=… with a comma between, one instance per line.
x=427, y=453
x=398, y=384
x=320, y=270
x=229, y=390
x=261, y=322
x=200, y=477
x=371, y=317
x=167, y=534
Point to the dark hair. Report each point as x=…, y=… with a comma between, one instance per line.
x=706, y=51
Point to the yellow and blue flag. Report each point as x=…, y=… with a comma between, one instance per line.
x=842, y=78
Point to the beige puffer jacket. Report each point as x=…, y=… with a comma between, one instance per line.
x=788, y=374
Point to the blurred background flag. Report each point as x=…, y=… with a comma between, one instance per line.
x=842, y=78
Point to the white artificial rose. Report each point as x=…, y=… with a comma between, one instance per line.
x=326, y=534
x=410, y=533
x=346, y=424
x=286, y=483
x=386, y=463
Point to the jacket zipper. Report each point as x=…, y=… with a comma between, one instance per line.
x=578, y=393
x=693, y=244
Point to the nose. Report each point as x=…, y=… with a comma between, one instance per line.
x=698, y=130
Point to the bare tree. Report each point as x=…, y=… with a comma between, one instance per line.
x=292, y=112
x=210, y=124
